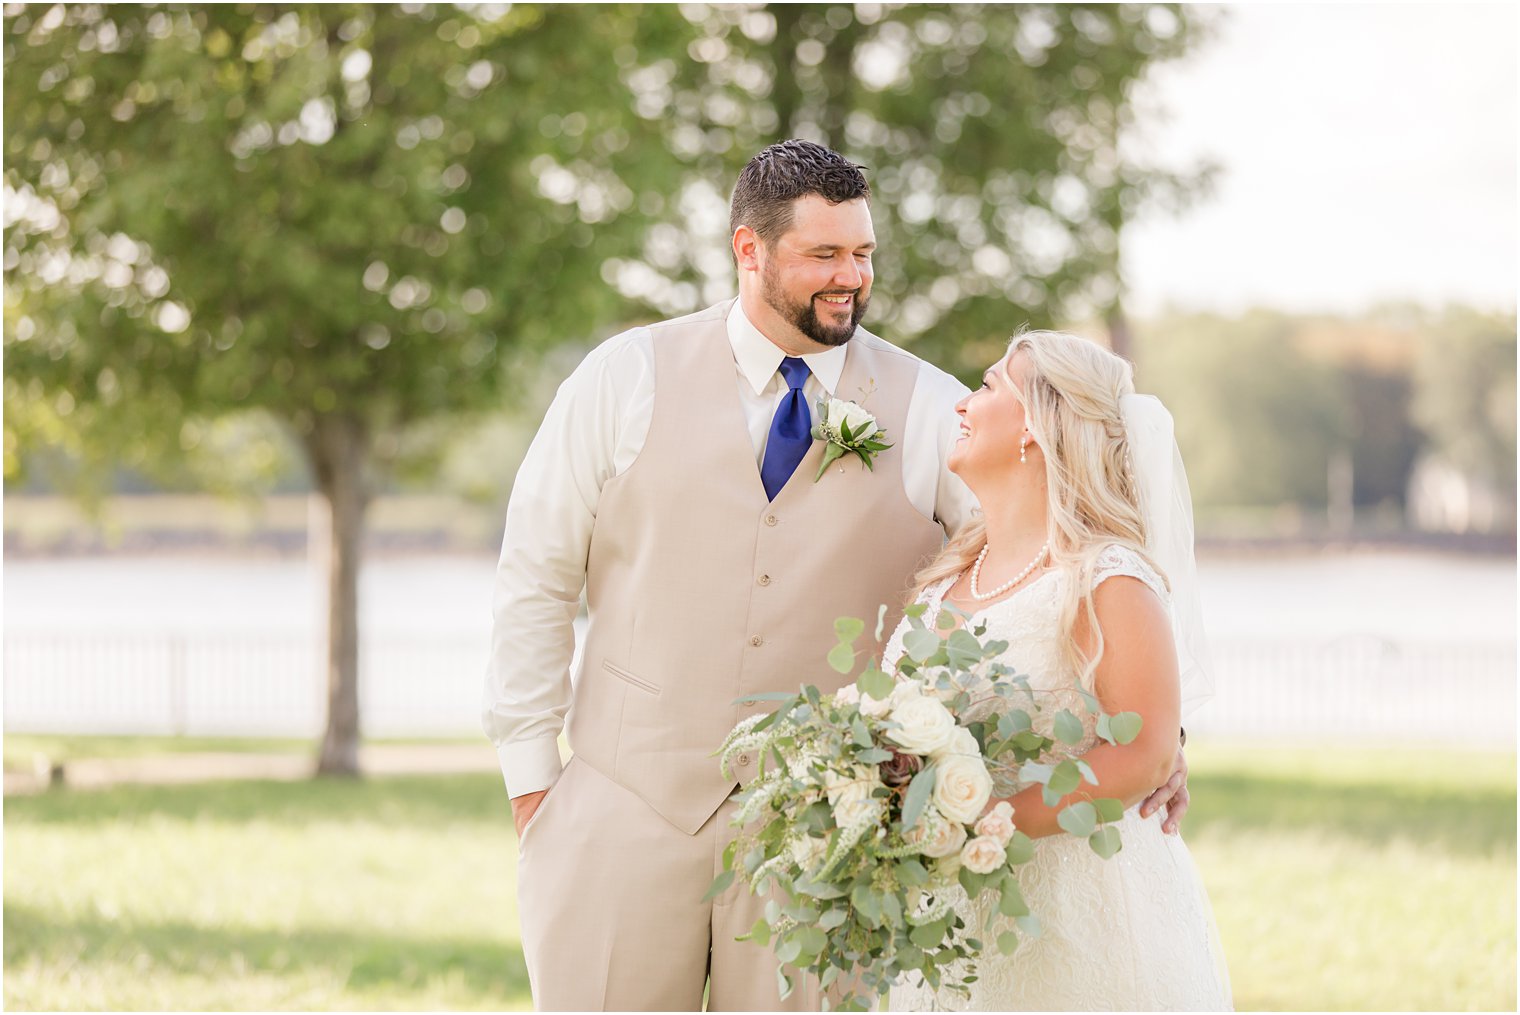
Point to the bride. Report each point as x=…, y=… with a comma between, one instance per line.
x=1079, y=562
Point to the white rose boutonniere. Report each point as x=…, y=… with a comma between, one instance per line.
x=847, y=428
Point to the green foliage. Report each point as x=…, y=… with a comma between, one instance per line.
x=1257, y=419
x=311, y=210
x=1465, y=393
x=990, y=133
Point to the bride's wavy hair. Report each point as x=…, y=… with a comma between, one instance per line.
x=1071, y=406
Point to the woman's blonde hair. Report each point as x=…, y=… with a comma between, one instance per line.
x=1071, y=406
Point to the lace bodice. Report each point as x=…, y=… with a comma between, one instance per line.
x=1029, y=619
x=1131, y=933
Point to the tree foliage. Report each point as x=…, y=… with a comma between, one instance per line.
x=358, y=220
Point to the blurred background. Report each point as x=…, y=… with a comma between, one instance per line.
x=287, y=290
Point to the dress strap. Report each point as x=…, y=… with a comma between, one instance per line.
x=1116, y=560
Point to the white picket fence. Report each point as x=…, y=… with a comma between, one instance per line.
x=201, y=684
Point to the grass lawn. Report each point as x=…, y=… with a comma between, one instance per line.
x=1340, y=879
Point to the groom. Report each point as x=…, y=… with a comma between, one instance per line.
x=673, y=480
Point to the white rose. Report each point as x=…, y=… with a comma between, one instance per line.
x=926, y=725
x=807, y=851
x=849, y=694
x=862, y=423
x=997, y=823
x=962, y=745
x=962, y=787
x=983, y=855
x=853, y=810
x=850, y=795
x=936, y=836
x=946, y=869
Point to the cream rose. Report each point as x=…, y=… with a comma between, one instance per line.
x=983, y=855
x=962, y=745
x=997, y=823
x=962, y=787
x=850, y=795
x=839, y=411
x=807, y=851
x=926, y=725
x=849, y=694
x=935, y=835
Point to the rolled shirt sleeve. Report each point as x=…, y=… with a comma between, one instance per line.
x=593, y=429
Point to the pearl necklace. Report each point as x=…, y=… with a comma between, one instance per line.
x=976, y=572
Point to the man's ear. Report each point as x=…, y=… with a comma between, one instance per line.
x=747, y=249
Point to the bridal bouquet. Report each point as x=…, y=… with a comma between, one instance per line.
x=871, y=803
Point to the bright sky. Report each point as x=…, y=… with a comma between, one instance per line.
x=1367, y=153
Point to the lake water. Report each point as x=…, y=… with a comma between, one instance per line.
x=1302, y=644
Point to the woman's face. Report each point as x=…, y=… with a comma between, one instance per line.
x=992, y=423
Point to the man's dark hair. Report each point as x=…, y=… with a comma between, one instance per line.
x=782, y=173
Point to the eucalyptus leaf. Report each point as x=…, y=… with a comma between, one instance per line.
x=963, y=649
x=1086, y=770
x=1068, y=728
x=849, y=628
x=1109, y=809
x=926, y=936
x=1011, y=899
x=1007, y=942
x=873, y=683
x=842, y=657
x=1125, y=726
x=917, y=796
x=1079, y=819
x=881, y=620
x=1105, y=841
x=719, y=885
x=920, y=645
x=1020, y=848
x=1029, y=924
x=760, y=933
x=1065, y=778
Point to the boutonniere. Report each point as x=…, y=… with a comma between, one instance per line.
x=846, y=428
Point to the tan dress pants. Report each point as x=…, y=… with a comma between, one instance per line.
x=613, y=918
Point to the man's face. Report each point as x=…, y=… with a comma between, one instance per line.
x=817, y=275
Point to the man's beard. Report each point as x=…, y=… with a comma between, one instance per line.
x=804, y=316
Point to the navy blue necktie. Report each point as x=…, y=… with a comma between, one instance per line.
x=791, y=430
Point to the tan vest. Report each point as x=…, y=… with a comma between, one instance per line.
x=700, y=591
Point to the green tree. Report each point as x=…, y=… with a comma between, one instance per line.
x=1258, y=421
x=350, y=217
x=356, y=219
x=992, y=135
x=1465, y=394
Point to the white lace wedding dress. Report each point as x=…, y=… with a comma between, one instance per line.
x=1134, y=932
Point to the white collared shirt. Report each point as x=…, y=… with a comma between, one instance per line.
x=593, y=431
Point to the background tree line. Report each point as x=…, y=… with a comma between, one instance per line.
x=363, y=224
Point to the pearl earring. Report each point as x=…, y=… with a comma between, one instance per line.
x=1023, y=449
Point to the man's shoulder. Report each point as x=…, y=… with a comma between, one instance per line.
x=930, y=378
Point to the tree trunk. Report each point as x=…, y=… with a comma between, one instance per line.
x=338, y=446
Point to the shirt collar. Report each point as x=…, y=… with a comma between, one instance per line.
x=759, y=358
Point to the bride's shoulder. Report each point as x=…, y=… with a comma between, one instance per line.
x=1119, y=560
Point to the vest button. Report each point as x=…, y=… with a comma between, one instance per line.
x=770, y=519
x=765, y=579
x=743, y=760
x=757, y=641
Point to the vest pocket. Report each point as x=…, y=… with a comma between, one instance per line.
x=624, y=675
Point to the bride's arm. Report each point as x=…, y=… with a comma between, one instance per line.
x=1138, y=673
